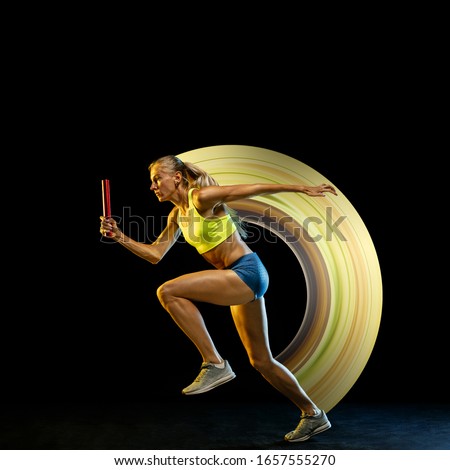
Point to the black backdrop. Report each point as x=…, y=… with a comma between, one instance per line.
x=85, y=323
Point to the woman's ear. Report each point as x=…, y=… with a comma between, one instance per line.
x=177, y=178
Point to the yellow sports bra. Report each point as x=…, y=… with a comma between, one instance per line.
x=204, y=233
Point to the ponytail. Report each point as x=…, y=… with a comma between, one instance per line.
x=198, y=177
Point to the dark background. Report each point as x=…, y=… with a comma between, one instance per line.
x=85, y=324
x=360, y=102
x=81, y=320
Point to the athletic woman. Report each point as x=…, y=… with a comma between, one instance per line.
x=237, y=279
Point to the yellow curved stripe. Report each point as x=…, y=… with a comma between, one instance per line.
x=336, y=253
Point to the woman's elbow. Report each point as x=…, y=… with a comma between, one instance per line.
x=152, y=258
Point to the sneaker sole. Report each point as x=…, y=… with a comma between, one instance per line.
x=221, y=381
x=320, y=429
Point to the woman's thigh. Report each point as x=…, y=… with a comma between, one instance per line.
x=220, y=287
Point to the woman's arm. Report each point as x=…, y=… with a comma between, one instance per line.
x=153, y=252
x=209, y=196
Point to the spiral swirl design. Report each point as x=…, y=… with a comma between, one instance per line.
x=336, y=253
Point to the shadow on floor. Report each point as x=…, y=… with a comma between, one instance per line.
x=218, y=425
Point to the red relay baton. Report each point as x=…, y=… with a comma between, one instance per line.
x=106, y=198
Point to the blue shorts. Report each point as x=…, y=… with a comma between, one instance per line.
x=253, y=272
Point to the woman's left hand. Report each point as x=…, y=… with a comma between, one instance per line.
x=319, y=190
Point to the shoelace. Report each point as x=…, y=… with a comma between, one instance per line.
x=204, y=370
x=303, y=417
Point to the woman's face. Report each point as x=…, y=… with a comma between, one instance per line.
x=163, y=183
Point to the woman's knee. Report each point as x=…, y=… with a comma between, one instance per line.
x=165, y=292
x=261, y=363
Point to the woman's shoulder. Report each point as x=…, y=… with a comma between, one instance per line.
x=193, y=195
x=191, y=190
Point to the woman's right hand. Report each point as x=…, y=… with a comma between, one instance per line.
x=108, y=227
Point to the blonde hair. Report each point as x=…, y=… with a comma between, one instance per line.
x=194, y=177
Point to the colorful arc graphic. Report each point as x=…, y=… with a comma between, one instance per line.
x=336, y=253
